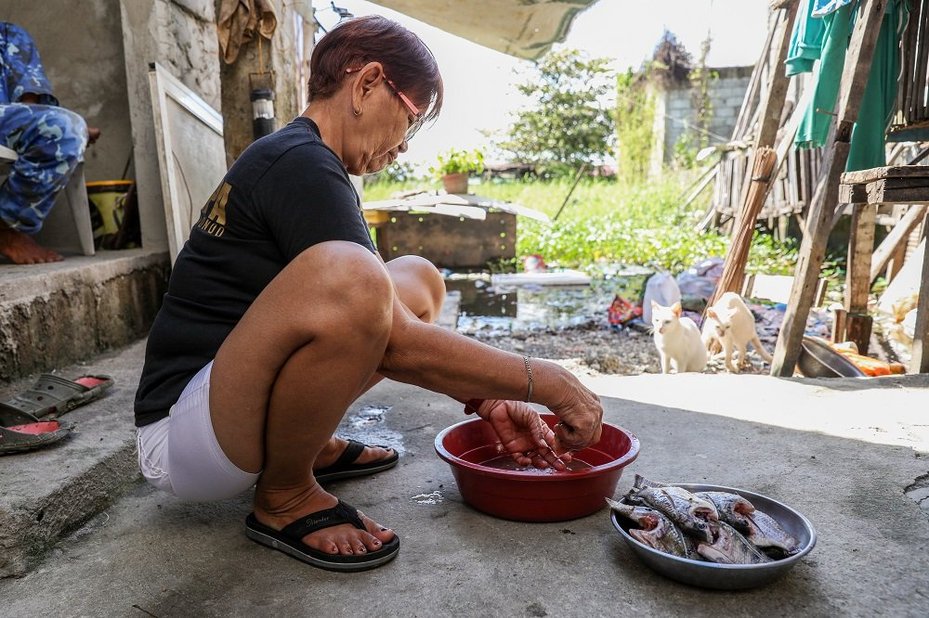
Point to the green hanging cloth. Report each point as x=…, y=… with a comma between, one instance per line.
x=877, y=105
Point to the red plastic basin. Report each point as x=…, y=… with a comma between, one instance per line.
x=534, y=495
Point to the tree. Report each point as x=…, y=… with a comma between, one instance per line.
x=635, y=119
x=567, y=124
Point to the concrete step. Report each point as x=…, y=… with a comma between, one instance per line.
x=53, y=315
x=48, y=493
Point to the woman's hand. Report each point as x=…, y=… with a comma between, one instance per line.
x=523, y=434
x=580, y=418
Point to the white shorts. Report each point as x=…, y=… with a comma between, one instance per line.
x=180, y=454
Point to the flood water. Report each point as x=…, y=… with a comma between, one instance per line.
x=488, y=308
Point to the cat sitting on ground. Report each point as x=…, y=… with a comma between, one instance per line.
x=730, y=323
x=677, y=339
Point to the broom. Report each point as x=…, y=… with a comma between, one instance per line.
x=733, y=276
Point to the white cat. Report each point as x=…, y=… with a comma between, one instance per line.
x=677, y=339
x=731, y=323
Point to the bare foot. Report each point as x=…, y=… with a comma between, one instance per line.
x=336, y=446
x=22, y=249
x=278, y=508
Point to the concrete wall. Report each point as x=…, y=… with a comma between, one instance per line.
x=726, y=94
x=286, y=55
x=180, y=35
x=73, y=310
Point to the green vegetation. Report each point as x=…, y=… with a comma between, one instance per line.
x=619, y=222
x=455, y=161
x=566, y=124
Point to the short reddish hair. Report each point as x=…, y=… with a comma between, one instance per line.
x=373, y=38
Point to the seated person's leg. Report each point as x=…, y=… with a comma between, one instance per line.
x=50, y=142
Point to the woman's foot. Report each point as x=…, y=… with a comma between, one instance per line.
x=22, y=249
x=336, y=446
x=279, y=508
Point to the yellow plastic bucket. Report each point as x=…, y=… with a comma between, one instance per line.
x=107, y=206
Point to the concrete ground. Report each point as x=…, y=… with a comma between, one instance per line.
x=853, y=456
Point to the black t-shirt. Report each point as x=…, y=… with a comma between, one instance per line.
x=285, y=193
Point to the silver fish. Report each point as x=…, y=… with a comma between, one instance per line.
x=732, y=508
x=691, y=513
x=760, y=529
x=655, y=530
x=730, y=547
x=766, y=532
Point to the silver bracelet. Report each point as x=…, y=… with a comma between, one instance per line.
x=529, y=375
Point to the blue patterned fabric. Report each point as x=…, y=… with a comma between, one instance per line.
x=49, y=140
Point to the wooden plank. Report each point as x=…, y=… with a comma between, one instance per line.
x=879, y=194
x=754, y=82
x=920, y=359
x=853, y=194
x=891, y=171
x=858, y=277
x=897, y=237
x=813, y=247
x=772, y=101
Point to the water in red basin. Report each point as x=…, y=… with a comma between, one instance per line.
x=521, y=494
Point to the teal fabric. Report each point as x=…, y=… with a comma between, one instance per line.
x=824, y=7
x=806, y=41
x=877, y=106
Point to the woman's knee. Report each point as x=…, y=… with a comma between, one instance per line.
x=351, y=278
x=420, y=285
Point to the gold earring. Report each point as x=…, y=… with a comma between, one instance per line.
x=357, y=112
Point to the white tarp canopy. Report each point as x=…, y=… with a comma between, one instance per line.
x=522, y=28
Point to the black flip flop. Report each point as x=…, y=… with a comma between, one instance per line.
x=288, y=540
x=344, y=467
x=21, y=431
x=52, y=396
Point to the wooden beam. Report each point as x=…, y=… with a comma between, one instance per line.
x=919, y=363
x=892, y=171
x=858, y=277
x=770, y=110
x=879, y=193
x=813, y=247
x=897, y=238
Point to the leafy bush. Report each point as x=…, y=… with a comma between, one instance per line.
x=622, y=222
x=456, y=161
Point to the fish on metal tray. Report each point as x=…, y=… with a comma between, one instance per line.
x=691, y=513
x=732, y=508
x=767, y=533
x=758, y=527
x=730, y=547
x=655, y=530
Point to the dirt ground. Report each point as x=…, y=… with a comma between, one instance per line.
x=596, y=349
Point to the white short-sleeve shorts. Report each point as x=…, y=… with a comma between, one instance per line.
x=181, y=455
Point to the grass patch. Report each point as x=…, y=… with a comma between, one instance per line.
x=621, y=223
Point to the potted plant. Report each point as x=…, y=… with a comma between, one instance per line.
x=454, y=167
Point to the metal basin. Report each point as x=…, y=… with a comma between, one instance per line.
x=818, y=360
x=726, y=576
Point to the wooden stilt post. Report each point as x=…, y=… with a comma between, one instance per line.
x=919, y=363
x=858, y=277
x=813, y=247
x=753, y=196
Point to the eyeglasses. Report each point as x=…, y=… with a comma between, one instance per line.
x=417, y=117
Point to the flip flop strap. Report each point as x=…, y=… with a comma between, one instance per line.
x=341, y=513
x=350, y=454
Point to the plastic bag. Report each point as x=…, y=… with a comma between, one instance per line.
x=661, y=288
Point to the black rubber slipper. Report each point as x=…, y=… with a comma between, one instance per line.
x=21, y=431
x=52, y=396
x=344, y=467
x=288, y=540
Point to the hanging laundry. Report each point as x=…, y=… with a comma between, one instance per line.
x=240, y=21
